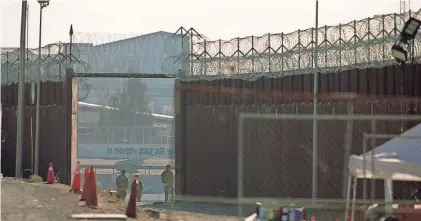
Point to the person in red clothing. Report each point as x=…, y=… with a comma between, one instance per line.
x=139, y=188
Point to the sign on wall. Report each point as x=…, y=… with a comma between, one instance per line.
x=124, y=151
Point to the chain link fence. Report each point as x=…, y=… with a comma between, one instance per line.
x=358, y=44
x=55, y=58
x=277, y=157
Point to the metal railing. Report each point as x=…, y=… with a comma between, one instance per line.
x=124, y=135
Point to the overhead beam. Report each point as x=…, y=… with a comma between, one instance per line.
x=122, y=75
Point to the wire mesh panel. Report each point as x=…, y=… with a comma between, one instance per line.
x=278, y=153
x=260, y=150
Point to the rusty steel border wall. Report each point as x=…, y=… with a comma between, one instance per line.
x=207, y=119
x=53, y=140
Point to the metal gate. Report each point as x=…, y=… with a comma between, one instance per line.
x=71, y=121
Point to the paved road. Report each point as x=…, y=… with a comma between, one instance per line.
x=150, y=198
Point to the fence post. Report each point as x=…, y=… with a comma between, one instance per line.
x=191, y=52
x=205, y=52
x=348, y=146
x=368, y=45
x=238, y=55
x=355, y=41
x=269, y=48
x=325, y=40
x=219, y=56
x=299, y=49
x=383, y=31
x=373, y=145
x=252, y=55
x=68, y=125
x=179, y=138
x=340, y=45
x=282, y=53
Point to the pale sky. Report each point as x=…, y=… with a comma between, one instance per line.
x=215, y=19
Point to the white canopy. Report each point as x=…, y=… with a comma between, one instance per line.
x=396, y=159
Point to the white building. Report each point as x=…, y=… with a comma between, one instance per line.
x=159, y=52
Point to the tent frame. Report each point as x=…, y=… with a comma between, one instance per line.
x=352, y=179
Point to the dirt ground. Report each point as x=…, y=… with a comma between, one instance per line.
x=21, y=201
x=34, y=201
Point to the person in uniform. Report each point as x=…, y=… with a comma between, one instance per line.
x=122, y=183
x=167, y=178
x=139, y=188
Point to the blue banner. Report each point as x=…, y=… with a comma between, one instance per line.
x=124, y=151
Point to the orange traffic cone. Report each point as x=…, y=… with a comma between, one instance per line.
x=89, y=189
x=85, y=190
x=76, y=179
x=93, y=198
x=131, y=206
x=50, y=177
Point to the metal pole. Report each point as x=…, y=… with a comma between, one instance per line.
x=354, y=198
x=348, y=195
x=71, y=44
x=36, y=167
x=21, y=93
x=32, y=94
x=373, y=171
x=365, y=167
x=27, y=37
x=240, y=164
x=348, y=143
x=315, y=101
x=354, y=117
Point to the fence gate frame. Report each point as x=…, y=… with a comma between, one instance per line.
x=71, y=121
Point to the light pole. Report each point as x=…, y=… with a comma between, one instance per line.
x=21, y=92
x=42, y=5
x=315, y=106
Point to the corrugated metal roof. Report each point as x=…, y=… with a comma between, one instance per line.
x=136, y=37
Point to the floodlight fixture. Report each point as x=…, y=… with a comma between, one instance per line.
x=410, y=29
x=44, y=3
x=399, y=53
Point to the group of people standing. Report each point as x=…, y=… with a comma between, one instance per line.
x=167, y=179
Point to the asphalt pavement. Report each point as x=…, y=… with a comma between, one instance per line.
x=150, y=198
